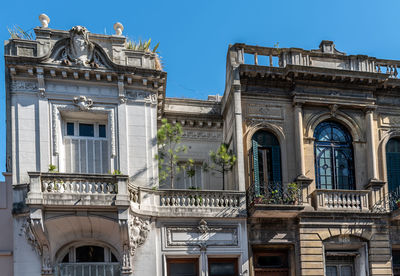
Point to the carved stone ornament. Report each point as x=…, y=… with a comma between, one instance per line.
x=203, y=228
x=83, y=103
x=32, y=228
x=138, y=230
x=30, y=237
x=79, y=49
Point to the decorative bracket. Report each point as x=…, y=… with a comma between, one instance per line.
x=36, y=236
x=41, y=84
x=126, y=258
x=121, y=89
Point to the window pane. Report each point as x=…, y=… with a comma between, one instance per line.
x=102, y=130
x=70, y=129
x=222, y=269
x=89, y=254
x=331, y=271
x=183, y=269
x=346, y=271
x=86, y=130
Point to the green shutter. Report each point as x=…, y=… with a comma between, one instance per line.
x=256, y=169
x=276, y=164
x=393, y=170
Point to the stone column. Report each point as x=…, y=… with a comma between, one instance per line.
x=298, y=133
x=372, y=170
x=239, y=138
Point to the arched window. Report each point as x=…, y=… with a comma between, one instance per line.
x=266, y=161
x=393, y=163
x=333, y=157
x=88, y=260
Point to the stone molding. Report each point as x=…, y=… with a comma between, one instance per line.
x=56, y=122
x=201, y=234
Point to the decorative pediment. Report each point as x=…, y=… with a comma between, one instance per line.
x=79, y=50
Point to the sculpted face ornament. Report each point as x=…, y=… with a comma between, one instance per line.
x=83, y=103
x=79, y=51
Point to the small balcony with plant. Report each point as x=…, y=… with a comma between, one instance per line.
x=274, y=200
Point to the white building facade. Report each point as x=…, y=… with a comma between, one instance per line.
x=82, y=116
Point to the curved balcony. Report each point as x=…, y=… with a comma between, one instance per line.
x=55, y=189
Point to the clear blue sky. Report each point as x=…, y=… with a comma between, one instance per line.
x=194, y=35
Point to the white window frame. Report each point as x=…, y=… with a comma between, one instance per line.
x=76, y=136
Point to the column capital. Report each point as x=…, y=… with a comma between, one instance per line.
x=298, y=104
x=370, y=109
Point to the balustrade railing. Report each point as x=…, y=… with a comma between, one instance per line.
x=280, y=57
x=195, y=198
x=79, y=183
x=389, y=67
x=341, y=200
x=88, y=269
x=274, y=193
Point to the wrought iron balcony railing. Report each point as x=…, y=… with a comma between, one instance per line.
x=275, y=193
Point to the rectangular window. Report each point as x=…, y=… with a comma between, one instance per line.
x=183, y=267
x=339, y=265
x=274, y=262
x=222, y=267
x=86, y=149
x=86, y=130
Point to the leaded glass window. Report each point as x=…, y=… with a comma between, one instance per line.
x=333, y=157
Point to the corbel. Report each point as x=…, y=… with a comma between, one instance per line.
x=333, y=109
x=123, y=222
x=121, y=89
x=41, y=84
x=36, y=225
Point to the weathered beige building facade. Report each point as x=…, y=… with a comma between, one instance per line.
x=316, y=134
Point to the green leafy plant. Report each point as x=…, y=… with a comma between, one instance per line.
x=52, y=168
x=168, y=142
x=143, y=46
x=222, y=160
x=293, y=193
x=116, y=172
x=16, y=32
